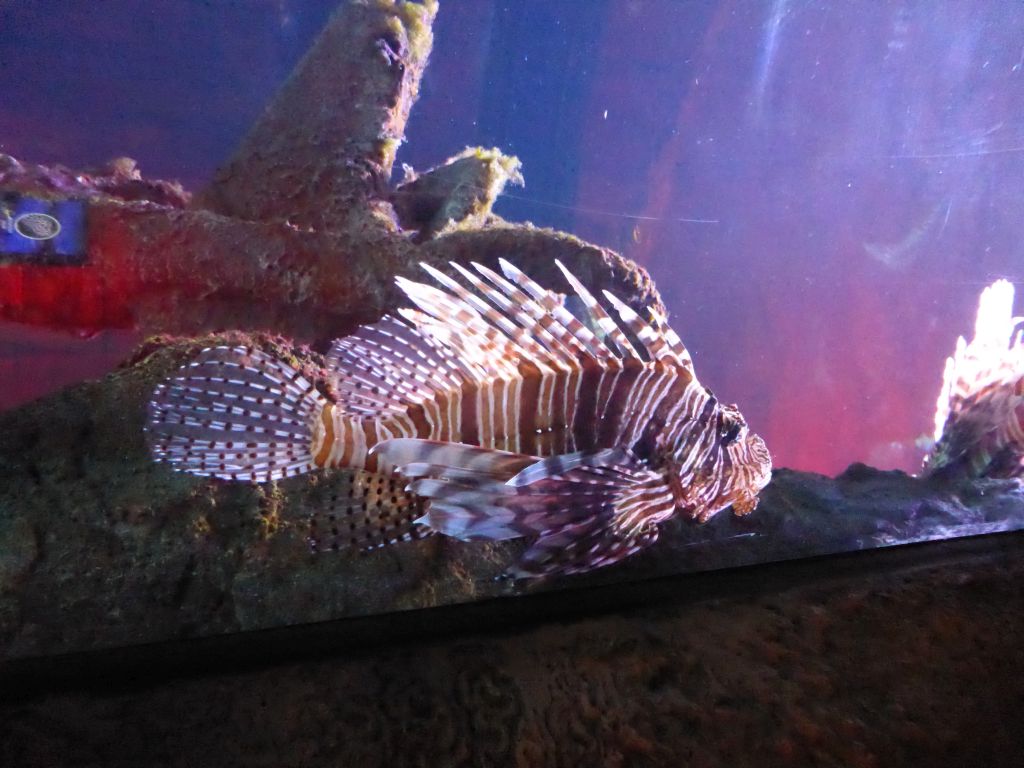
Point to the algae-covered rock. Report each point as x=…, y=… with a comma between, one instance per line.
x=457, y=194
x=100, y=546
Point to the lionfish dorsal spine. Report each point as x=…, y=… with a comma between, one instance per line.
x=600, y=317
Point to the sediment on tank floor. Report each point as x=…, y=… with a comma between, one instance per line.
x=907, y=666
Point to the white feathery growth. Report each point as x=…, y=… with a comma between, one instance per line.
x=994, y=356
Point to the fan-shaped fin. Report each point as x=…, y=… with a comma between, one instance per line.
x=374, y=510
x=580, y=511
x=235, y=413
x=581, y=548
x=385, y=367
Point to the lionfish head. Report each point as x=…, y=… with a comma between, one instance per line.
x=737, y=466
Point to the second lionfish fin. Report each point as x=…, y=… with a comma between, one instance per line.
x=384, y=367
x=235, y=413
x=371, y=511
x=579, y=511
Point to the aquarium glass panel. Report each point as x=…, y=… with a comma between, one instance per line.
x=323, y=309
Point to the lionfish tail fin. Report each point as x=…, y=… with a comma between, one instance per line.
x=579, y=511
x=235, y=413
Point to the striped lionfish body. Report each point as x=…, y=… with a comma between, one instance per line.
x=506, y=414
x=979, y=418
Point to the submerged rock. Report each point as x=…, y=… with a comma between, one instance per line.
x=103, y=547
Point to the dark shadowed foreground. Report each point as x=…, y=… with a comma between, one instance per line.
x=912, y=666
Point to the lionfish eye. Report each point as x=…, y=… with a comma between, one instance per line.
x=730, y=436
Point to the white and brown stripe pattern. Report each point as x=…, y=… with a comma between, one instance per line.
x=235, y=413
x=508, y=413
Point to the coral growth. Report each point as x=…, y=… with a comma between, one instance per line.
x=979, y=418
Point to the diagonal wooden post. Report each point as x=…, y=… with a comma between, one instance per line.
x=325, y=146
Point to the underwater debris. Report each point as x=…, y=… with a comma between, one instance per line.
x=325, y=145
x=979, y=417
x=499, y=408
x=458, y=193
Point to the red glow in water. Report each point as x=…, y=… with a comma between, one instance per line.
x=820, y=190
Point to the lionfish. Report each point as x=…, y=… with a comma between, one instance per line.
x=502, y=413
x=979, y=418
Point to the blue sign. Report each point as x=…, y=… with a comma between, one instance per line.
x=45, y=232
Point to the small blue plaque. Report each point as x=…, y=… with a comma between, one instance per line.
x=44, y=232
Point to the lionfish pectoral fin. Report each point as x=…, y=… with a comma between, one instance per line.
x=580, y=511
x=581, y=548
x=463, y=484
x=635, y=501
x=373, y=511
x=413, y=458
x=555, y=467
x=235, y=413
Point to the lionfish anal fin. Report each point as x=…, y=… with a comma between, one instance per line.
x=371, y=511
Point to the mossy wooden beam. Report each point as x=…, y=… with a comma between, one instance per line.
x=326, y=144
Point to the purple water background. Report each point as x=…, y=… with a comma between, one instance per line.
x=820, y=189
